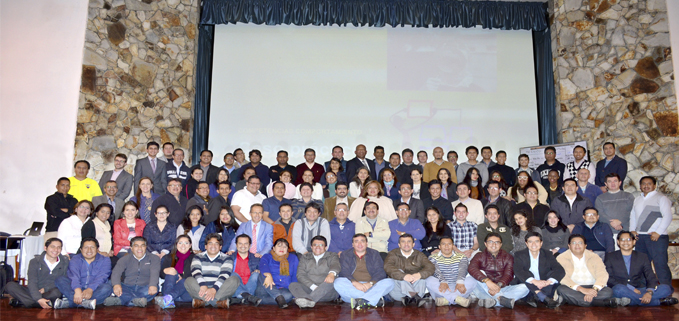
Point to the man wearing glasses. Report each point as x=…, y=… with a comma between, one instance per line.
x=174, y=201
x=598, y=235
x=110, y=197
x=119, y=175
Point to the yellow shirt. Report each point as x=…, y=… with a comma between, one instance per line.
x=85, y=189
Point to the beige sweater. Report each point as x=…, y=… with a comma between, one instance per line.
x=594, y=264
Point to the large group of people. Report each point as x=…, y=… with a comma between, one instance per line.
x=360, y=231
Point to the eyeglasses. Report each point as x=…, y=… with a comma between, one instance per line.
x=162, y=213
x=523, y=178
x=531, y=193
x=340, y=210
x=110, y=187
x=591, y=214
x=403, y=209
x=626, y=240
x=494, y=242
x=577, y=243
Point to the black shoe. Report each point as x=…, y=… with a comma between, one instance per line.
x=17, y=304
x=669, y=301
x=405, y=300
x=550, y=303
x=380, y=303
x=338, y=301
x=531, y=301
x=280, y=300
x=255, y=301
x=507, y=303
x=611, y=303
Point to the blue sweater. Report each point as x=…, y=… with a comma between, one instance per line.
x=157, y=241
x=88, y=276
x=591, y=192
x=341, y=239
x=227, y=236
x=268, y=265
x=412, y=227
x=602, y=234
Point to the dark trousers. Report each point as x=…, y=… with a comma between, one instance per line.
x=548, y=290
x=575, y=297
x=22, y=294
x=657, y=253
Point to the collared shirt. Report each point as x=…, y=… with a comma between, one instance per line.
x=51, y=266
x=463, y=234
x=581, y=275
x=407, y=255
x=571, y=201
x=204, y=168
x=115, y=174
x=344, y=200
x=141, y=257
x=534, y=265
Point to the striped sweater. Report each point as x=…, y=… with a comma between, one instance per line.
x=211, y=272
x=450, y=269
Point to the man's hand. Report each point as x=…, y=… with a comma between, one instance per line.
x=87, y=294
x=363, y=287
x=655, y=236
x=554, y=251
x=330, y=278
x=257, y=255
x=210, y=294
x=44, y=303
x=153, y=290
x=603, y=189
x=444, y=287
x=461, y=288
x=637, y=291
x=570, y=227
x=118, y=290
x=78, y=296
x=65, y=210
x=229, y=252
x=590, y=294
x=416, y=277
x=161, y=254
x=646, y=298
x=409, y=278
x=42, y=291
x=616, y=224
x=493, y=288
x=468, y=253
x=202, y=291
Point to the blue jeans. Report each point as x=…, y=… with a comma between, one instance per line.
x=622, y=291
x=657, y=253
x=131, y=292
x=515, y=292
x=347, y=291
x=269, y=296
x=176, y=289
x=102, y=292
x=250, y=287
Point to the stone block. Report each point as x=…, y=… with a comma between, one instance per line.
x=583, y=78
x=643, y=86
x=567, y=89
x=647, y=68
x=667, y=122
x=657, y=40
x=144, y=72
x=138, y=5
x=116, y=33
x=88, y=79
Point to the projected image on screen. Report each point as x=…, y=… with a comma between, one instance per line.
x=291, y=88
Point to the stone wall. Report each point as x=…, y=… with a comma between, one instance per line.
x=615, y=82
x=137, y=79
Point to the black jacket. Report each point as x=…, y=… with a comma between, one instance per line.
x=539, y=213
x=53, y=205
x=547, y=266
x=641, y=274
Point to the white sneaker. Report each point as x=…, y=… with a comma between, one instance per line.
x=61, y=304
x=89, y=304
x=461, y=301
x=441, y=302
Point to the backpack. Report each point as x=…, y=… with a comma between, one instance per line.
x=6, y=276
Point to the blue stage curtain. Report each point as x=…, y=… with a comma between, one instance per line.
x=377, y=13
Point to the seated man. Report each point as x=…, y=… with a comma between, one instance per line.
x=260, y=232
x=631, y=275
x=174, y=201
x=211, y=282
x=409, y=269
x=405, y=225
x=141, y=270
x=87, y=278
x=316, y=274
x=538, y=269
x=375, y=228
x=494, y=224
x=464, y=233
x=341, y=197
x=494, y=270
x=586, y=277
x=598, y=234
x=308, y=227
x=43, y=270
x=362, y=280
x=341, y=230
x=450, y=268
x=246, y=268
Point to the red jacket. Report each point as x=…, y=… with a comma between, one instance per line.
x=500, y=268
x=121, y=232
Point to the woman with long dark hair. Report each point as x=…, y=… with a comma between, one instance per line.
x=175, y=271
x=191, y=226
x=523, y=224
x=523, y=180
x=226, y=225
x=555, y=234
x=448, y=188
x=359, y=181
x=475, y=181
x=126, y=228
x=435, y=228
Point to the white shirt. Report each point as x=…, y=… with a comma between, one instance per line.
x=317, y=193
x=245, y=199
x=581, y=275
x=70, y=234
x=474, y=208
x=51, y=266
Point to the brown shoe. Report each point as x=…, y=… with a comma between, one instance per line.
x=198, y=304
x=223, y=304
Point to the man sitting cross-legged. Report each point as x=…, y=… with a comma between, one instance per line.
x=141, y=270
x=316, y=274
x=408, y=268
x=450, y=268
x=538, y=269
x=211, y=282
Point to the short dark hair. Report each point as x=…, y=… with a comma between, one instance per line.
x=434, y=182
x=488, y=148
x=63, y=179
x=570, y=180
x=500, y=152
x=655, y=182
x=461, y=205
x=573, y=236
x=403, y=204
x=282, y=151
x=152, y=143
x=378, y=147
x=492, y=234
x=282, y=240
x=590, y=208
x=341, y=183
x=422, y=151
x=309, y=150
x=609, y=143
x=491, y=206
x=492, y=182
x=227, y=154
x=337, y=146
x=138, y=238
x=550, y=148
x=464, y=184
x=313, y=205
x=214, y=236
x=168, y=143
x=523, y=155
x=244, y=236
x=99, y=207
x=395, y=154
x=580, y=146
x=452, y=152
x=89, y=239
x=179, y=149
x=53, y=239
x=319, y=238
x=277, y=182
x=406, y=235
x=466, y=150
x=121, y=155
x=408, y=150
x=196, y=169
x=256, y=152
x=609, y=175
x=207, y=150
x=625, y=232
x=531, y=234
x=357, y=235
x=283, y=205
x=252, y=176
x=82, y=161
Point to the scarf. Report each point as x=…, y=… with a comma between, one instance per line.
x=309, y=231
x=283, y=261
x=179, y=266
x=552, y=229
x=331, y=190
x=387, y=187
x=103, y=230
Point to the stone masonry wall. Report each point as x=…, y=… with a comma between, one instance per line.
x=137, y=79
x=615, y=82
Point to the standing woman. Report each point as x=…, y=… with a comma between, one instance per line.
x=127, y=227
x=160, y=236
x=223, y=176
x=225, y=225
x=285, y=177
x=359, y=181
x=175, y=271
x=435, y=228
x=308, y=177
x=278, y=269
x=70, y=230
x=99, y=228
x=390, y=184
x=191, y=226
x=555, y=234
x=420, y=187
x=144, y=198
x=475, y=181
x=523, y=224
x=449, y=187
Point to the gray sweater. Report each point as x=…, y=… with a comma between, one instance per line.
x=615, y=206
x=309, y=272
x=559, y=239
x=144, y=272
x=40, y=276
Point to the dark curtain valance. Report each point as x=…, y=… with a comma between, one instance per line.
x=379, y=13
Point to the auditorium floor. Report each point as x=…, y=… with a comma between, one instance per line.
x=342, y=312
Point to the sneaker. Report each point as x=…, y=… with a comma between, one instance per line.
x=507, y=303
x=89, y=304
x=462, y=301
x=623, y=302
x=359, y=304
x=139, y=302
x=487, y=303
x=111, y=301
x=441, y=302
x=255, y=301
x=61, y=304
x=158, y=300
x=304, y=303
x=380, y=303
x=165, y=302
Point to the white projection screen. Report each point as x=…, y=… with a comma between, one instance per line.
x=292, y=88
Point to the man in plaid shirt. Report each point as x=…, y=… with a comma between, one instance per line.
x=464, y=232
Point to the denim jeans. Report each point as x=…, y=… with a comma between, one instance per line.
x=269, y=296
x=622, y=291
x=515, y=292
x=657, y=253
x=131, y=292
x=249, y=287
x=102, y=292
x=347, y=290
x=176, y=289
x=433, y=286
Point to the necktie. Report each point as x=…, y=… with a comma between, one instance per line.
x=365, y=164
x=153, y=165
x=253, y=247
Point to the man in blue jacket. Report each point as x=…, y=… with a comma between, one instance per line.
x=86, y=282
x=362, y=279
x=598, y=235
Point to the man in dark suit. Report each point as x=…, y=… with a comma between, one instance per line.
x=120, y=175
x=360, y=161
x=151, y=167
x=631, y=275
x=110, y=197
x=210, y=172
x=416, y=206
x=538, y=269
